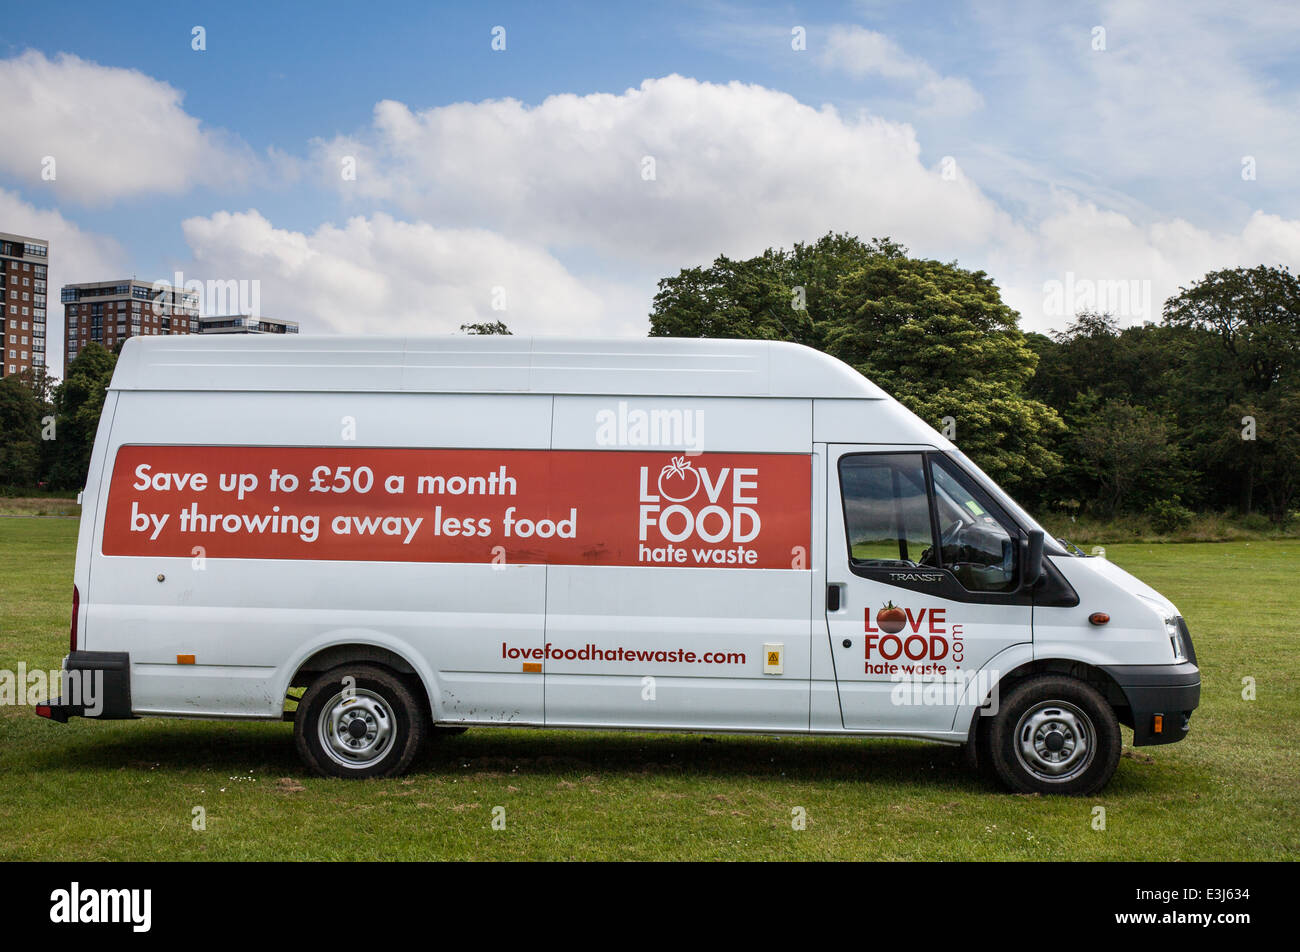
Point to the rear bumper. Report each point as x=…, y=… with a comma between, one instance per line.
x=95, y=684
x=1160, y=697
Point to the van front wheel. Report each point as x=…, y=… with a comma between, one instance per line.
x=358, y=720
x=1054, y=734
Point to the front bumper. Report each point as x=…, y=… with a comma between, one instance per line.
x=1161, y=698
x=96, y=684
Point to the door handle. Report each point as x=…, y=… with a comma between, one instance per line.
x=834, y=596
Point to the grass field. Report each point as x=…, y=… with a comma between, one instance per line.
x=127, y=790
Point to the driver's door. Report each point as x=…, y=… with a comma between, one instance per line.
x=922, y=569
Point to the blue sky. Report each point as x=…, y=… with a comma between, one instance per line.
x=1013, y=137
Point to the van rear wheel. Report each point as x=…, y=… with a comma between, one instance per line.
x=1054, y=734
x=358, y=720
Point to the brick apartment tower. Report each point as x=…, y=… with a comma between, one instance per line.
x=108, y=312
x=23, y=264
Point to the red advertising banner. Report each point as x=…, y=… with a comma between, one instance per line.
x=559, y=507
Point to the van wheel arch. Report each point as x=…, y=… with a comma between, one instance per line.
x=329, y=658
x=1079, y=670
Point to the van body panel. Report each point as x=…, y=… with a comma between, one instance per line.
x=885, y=422
x=1125, y=639
x=659, y=620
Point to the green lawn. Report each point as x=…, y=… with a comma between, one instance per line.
x=126, y=790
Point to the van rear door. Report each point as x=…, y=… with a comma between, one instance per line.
x=923, y=585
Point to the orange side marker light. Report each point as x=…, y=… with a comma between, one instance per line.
x=1099, y=618
x=185, y=659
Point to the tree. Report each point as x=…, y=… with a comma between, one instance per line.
x=1274, y=450
x=1123, y=446
x=753, y=300
x=1242, y=326
x=938, y=337
x=20, y=433
x=495, y=327
x=78, y=402
x=37, y=379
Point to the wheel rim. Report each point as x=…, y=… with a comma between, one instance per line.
x=1055, y=741
x=356, y=728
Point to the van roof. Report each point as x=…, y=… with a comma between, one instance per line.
x=660, y=366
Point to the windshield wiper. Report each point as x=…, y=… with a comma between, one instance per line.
x=1068, y=545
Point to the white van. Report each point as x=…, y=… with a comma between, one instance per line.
x=429, y=534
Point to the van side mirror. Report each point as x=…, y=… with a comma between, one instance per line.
x=1033, y=561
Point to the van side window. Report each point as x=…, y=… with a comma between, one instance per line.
x=886, y=511
x=973, y=545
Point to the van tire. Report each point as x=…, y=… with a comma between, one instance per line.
x=1049, y=725
x=390, y=724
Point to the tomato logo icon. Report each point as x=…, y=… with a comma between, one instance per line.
x=891, y=618
x=678, y=481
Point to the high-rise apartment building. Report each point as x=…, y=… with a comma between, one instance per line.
x=108, y=312
x=23, y=274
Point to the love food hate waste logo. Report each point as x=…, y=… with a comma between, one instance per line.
x=726, y=515
x=922, y=653
x=902, y=641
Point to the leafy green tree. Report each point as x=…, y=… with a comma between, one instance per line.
x=78, y=403
x=20, y=433
x=1272, y=451
x=1137, y=364
x=1123, y=445
x=1242, y=326
x=753, y=300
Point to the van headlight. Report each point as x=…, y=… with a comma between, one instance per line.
x=1175, y=633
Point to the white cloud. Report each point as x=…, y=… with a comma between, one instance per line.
x=75, y=256
x=736, y=167
x=862, y=53
x=378, y=275
x=111, y=133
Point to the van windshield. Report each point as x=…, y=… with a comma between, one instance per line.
x=1013, y=508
